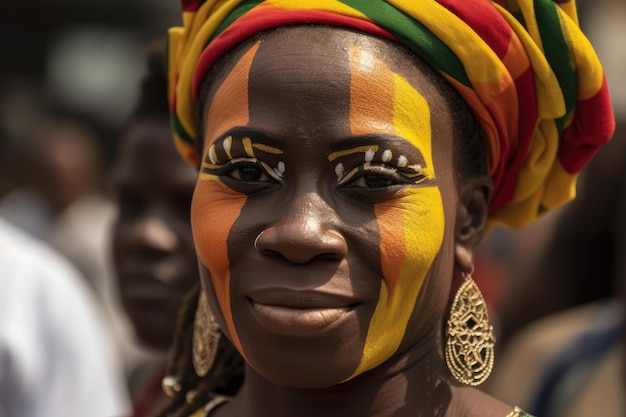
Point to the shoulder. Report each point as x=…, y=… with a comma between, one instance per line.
x=30, y=259
x=472, y=402
x=52, y=332
x=534, y=349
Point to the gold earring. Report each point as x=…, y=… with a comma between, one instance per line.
x=470, y=337
x=171, y=385
x=206, y=337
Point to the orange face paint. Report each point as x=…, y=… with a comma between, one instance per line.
x=215, y=206
x=412, y=223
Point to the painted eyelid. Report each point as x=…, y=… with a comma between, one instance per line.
x=275, y=173
x=380, y=169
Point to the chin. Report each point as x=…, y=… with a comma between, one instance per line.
x=302, y=369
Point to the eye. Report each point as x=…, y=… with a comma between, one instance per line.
x=249, y=174
x=130, y=204
x=250, y=170
x=374, y=176
x=372, y=181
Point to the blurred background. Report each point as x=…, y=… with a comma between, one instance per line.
x=70, y=74
x=80, y=57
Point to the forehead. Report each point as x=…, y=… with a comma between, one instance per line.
x=147, y=153
x=146, y=139
x=322, y=54
x=303, y=77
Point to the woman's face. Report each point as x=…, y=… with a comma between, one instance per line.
x=152, y=243
x=323, y=214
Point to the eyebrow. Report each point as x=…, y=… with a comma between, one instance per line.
x=374, y=142
x=262, y=140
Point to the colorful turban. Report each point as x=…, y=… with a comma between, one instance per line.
x=528, y=73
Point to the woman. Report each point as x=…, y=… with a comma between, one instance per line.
x=350, y=156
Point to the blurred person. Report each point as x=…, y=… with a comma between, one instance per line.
x=58, y=197
x=153, y=247
x=61, y=174
x=56, y=357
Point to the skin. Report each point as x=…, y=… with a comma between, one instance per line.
x=152, y=243
x=330, y=259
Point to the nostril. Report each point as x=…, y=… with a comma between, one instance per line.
x=336, y=245
x=301, y=245
x=267, y=252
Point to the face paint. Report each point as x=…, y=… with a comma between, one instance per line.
x=248, y=149
x=215, y=206
x=413, y=172
x=412, y=223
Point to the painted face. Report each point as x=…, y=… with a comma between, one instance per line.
x=318, y=213
x=152, y=244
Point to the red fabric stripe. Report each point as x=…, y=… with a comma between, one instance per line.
x=593, y=125
x=266, y=18
x=191, y=5
x=515, y=149
x=485, y=20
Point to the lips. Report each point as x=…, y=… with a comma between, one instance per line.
x=299, y=313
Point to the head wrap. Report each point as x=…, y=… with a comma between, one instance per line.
x=530, y=76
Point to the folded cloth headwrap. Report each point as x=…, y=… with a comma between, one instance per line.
x=528, y=73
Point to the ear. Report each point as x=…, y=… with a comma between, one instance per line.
x=471, y=218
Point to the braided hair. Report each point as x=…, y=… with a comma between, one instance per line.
x=187, y=390
x=191, y=392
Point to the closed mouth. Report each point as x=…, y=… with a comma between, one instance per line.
x=297, y=321
x=299, y=313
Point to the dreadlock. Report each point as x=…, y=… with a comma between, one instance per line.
x=192, y=392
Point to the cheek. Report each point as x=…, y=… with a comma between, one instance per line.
x=214, y=210
x=411, y=233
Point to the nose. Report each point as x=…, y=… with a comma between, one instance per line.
x=306, y=233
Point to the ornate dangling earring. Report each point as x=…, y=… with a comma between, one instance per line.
x=470, y=337
x=206, y=337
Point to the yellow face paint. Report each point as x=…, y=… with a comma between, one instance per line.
x=215, y=207
x=412, y=223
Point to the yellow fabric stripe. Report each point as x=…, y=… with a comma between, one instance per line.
x=324, y=5
x=549, y=96
x=206, y=20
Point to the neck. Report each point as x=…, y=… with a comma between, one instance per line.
x=410, y=381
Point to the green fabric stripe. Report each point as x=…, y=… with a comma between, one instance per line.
x=243, y=8
x=557, y=53
x=414, y=35
x=179, y=129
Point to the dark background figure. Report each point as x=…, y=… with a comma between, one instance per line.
x=153, y=247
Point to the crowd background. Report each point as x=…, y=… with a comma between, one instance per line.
x=69, y=79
